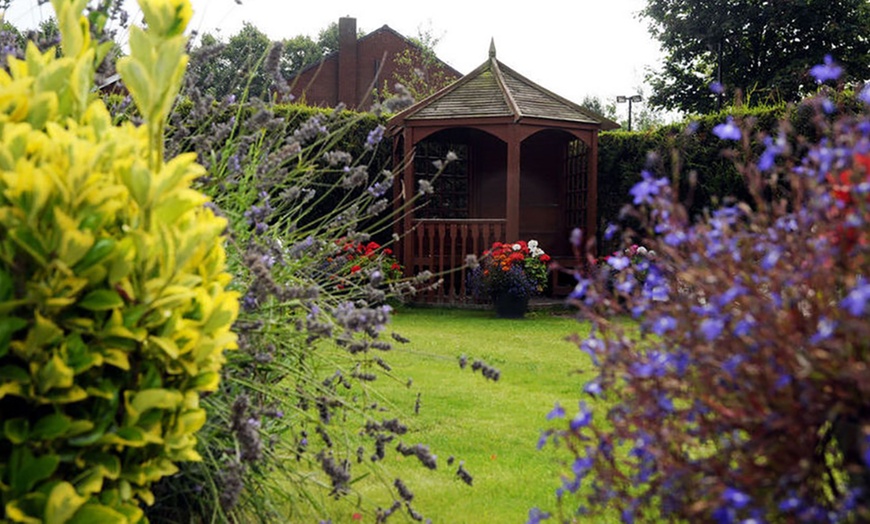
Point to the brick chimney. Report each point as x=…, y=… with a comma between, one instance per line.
x=347, y=62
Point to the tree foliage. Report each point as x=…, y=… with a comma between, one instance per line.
x=418, y=69
x=250, y=62
x=762, y=49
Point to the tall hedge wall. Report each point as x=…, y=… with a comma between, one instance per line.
x=681, y=150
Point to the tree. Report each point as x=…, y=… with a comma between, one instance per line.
x=250, y=60
x=762, y=49
x=593, y=103
x=418, y=69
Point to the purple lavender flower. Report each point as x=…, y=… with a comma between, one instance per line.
x=826, y=71
x=728, y=130
x=374, y=137
x=864, y=95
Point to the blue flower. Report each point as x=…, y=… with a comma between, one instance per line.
x=772, y=149
x=582, y=419
x=735, y=498
x=580, y=289
x=791, y=503
x=536, y=516
x=664, y=324
x=856, y=300
x=711, y=328
x=771, y=258
x=675, y=238
x=717, y=88
x=826, y=71
x=647, y=188
x=576, y=237
x=728, y=130
x=611, y=231
x=593, y=387
x=864, y=95
x=557, y=412
x=824, y=331
x=618, y=262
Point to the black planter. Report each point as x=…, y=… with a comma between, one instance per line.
x=510, y=306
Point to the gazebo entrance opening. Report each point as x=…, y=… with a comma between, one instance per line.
x=467, y=209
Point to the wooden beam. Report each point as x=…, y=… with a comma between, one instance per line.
x=512, y=204
x=408, y=192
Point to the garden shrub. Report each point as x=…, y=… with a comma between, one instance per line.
x=744, y=397
x=114, y=308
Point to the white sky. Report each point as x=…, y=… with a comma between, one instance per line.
x=574, y=48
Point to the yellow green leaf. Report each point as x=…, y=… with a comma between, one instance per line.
x=16, y=430
x=102, y=300
x=167, y=345
x=63, y=501
x=54, y=374
x=93, y=513
x=50, y=427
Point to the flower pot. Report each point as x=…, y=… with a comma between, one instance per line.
x=510, y=306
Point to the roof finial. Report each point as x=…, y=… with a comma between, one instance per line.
x=492, y=48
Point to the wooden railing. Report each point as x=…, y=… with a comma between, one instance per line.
x=442, y=245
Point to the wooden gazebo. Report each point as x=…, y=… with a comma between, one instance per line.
x=526, y=168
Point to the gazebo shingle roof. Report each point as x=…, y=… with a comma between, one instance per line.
x=496, y=90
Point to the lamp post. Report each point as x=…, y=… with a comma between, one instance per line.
x=629, y=99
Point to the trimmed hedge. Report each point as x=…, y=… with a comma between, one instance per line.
x=623, y=155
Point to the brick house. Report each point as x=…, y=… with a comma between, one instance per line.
x=361, y=65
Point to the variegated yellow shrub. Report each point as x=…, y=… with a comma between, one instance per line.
x=114, y=308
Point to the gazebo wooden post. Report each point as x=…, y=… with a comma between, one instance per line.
x=592, y=195
x=408, y=193
x=512, y=204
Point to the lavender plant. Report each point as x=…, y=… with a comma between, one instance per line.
x=296, y=421
x=743, y=397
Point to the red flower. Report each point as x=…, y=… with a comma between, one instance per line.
x=354, y=269
x=545, y=258
x=842, y=185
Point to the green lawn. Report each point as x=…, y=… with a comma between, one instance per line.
x=492, y=427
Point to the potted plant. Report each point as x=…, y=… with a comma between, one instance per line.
x=509, y=274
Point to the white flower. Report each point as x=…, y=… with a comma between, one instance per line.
x=641, y=251
x=533, y=244
x=516, y=247
x=536, y=251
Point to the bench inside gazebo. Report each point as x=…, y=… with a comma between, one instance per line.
x=525, y=168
